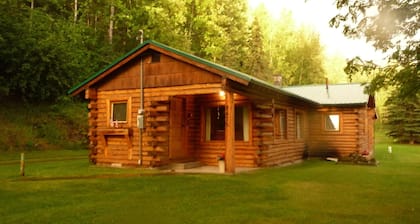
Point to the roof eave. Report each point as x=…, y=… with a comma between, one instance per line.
x=342, y=104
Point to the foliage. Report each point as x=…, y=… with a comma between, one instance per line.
x=42, y=56
x=391, y=26
x=42, y=126
x=49, y=46
x=403, y=117
x=293, y=52
x=73, y=192
x=257, y=64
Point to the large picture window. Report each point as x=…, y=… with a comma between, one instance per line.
x=215, y=123
x=332, y=122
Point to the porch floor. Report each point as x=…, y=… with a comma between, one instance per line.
x=211, y=169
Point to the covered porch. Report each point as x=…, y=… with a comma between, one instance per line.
x=206, y=128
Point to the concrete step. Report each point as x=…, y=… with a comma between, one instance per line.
x=184, y=165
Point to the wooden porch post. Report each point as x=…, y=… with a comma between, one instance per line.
x=230, y=132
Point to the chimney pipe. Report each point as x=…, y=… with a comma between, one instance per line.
x=278, y=80
x=326, y=83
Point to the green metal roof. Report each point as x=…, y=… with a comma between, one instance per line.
x=338, y=94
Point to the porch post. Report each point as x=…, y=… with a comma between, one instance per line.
x=230, y=132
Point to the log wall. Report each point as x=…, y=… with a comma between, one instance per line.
x=208, y=151
x=355, y=135
x=119, y=147
x=155, y=135
x=272, y=149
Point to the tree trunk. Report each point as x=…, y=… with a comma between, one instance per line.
x=75, y=11
x=111, y=22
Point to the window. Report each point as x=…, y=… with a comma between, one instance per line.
x=280, y=125
x=299, y=125
x=215, y=123
x=332, y=122
x=119, y=112
x=155, y=57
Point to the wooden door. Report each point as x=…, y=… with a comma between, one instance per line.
x=177, y=146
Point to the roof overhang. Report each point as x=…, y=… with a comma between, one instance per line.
x=142, y=50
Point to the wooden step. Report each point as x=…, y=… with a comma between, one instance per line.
x=184, y=165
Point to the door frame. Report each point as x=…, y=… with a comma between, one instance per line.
x=183, y=130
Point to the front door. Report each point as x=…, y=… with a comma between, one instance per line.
x=177, y=146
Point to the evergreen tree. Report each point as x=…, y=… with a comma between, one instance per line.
x=402, y=117
x=257, y=64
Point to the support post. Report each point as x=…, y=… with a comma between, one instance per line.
x=230, y=132
x=22, y=164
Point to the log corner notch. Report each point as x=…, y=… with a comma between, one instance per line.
x=230, y=132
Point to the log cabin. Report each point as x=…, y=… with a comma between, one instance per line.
x=157, y=105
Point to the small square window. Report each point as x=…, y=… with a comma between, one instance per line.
x=119, y=111
x=332, y=122
x=155, y=57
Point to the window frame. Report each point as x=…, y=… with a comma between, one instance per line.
x=299, y=128
x=246, y=129
x=109, y=111
x=340, y=122
x=280, y=125
x=126, y=111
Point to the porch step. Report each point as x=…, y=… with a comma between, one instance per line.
x=184, y=165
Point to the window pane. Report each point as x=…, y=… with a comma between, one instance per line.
x=215, y=123
x=239, y=124
x=298, y=126
x=332, y=122
x=217, y=117
x=246, y=124
x=119, y=111
x=280, y=125
x=283, y=124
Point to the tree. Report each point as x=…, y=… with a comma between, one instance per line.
x=41, y=56
x=305, y=59
x=402, y=118
x=217, y=30
x=257, y=64
x=392, y=27
x=293, y=52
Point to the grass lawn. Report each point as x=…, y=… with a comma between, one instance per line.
x=312, y=192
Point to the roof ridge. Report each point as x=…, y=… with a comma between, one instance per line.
x=316, y=85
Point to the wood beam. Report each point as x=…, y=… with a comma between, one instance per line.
x=230, y=132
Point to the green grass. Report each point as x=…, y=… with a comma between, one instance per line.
x=72, y=191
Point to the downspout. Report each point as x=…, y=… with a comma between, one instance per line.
x=140, y=115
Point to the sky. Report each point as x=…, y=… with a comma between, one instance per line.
x=317, y=14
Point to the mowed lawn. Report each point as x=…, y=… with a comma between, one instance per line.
x=315, y=191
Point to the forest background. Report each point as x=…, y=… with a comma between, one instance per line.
x=50, y=45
